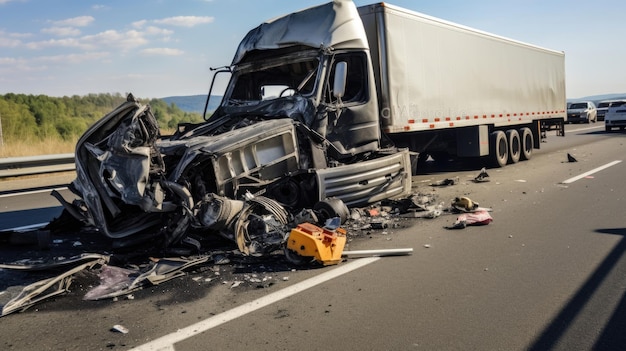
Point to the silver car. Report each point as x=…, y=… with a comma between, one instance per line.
x=603, y=107
x=582, y=111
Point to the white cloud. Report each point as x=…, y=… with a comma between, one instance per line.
x=152, y=30
x=62, y=31
x=68, y=42
x=139, y=24
x=10, y=65
x=8, y=60
x=112, y=38
x=185, y=21
x=162, y=52
x=8, y=42
x=73, y=58
x=80, y=21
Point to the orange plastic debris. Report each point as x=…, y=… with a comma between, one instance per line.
x=325, y=246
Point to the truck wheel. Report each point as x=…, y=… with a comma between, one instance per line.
x=527, y=143
x=330, y=208
x=512, y=136
x=498, y=148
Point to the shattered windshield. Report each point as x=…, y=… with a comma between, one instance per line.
x=275, y=78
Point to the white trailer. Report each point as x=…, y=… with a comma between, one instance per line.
x=446, y=89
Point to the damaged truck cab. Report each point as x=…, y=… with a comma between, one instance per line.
x=299, y=117
x=298, y=124
x=311, y=70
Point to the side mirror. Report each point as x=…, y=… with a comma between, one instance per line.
x=339, y=85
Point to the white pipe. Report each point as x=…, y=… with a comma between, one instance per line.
x=378, y=253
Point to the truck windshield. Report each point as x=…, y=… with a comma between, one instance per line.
x=272, y=79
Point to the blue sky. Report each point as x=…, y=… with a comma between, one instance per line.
x=159, y=48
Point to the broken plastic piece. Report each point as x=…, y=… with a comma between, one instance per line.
x=481, y=217
x=482, y=176
x=446, y=182
x=120, y=329
x=571, y=158
x=309, y=240
x=464, y=204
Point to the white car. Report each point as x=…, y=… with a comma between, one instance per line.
x=615, y=117
x=582, y=111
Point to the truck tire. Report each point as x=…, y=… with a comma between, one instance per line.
x=528, y=142
x=498, y=148
x=515, y=146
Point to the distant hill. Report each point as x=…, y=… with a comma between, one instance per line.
x=597, y=98
x=193, y=103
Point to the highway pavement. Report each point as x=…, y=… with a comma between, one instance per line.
x=547, y=274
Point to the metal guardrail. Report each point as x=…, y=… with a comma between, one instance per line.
x=28, y=165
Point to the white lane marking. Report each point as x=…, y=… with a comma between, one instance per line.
x=583, y=129
x=32, y=192
x=25, y=228
x=167, y=342
x=595, y=170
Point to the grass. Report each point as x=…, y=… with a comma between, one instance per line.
x=49, y=146
x=19, y=148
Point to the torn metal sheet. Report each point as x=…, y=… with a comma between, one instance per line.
x=262, y=226
x=116, y=281
x=46, y=288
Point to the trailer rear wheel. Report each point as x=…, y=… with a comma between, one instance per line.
x=499, y=148
x=515, y=148
x=527, y=143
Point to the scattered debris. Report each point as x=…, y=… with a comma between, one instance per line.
x=479, y=217
x=119, y=281
x=464, y=204
x=309, y=242
x=257, y=227
x=119, y=329
x=446, y=182
x=49, y=287
x=571, y=158
x=482, y=176
x=470, y=213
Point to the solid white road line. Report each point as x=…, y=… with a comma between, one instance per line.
x=595, y=170
x=166, y=342
x=32, y=192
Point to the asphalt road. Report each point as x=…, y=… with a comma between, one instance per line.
x=547, y=274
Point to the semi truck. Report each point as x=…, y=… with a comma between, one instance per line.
x=448, y=90
x=323, y=107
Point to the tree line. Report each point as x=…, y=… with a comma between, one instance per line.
x=39, y=117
